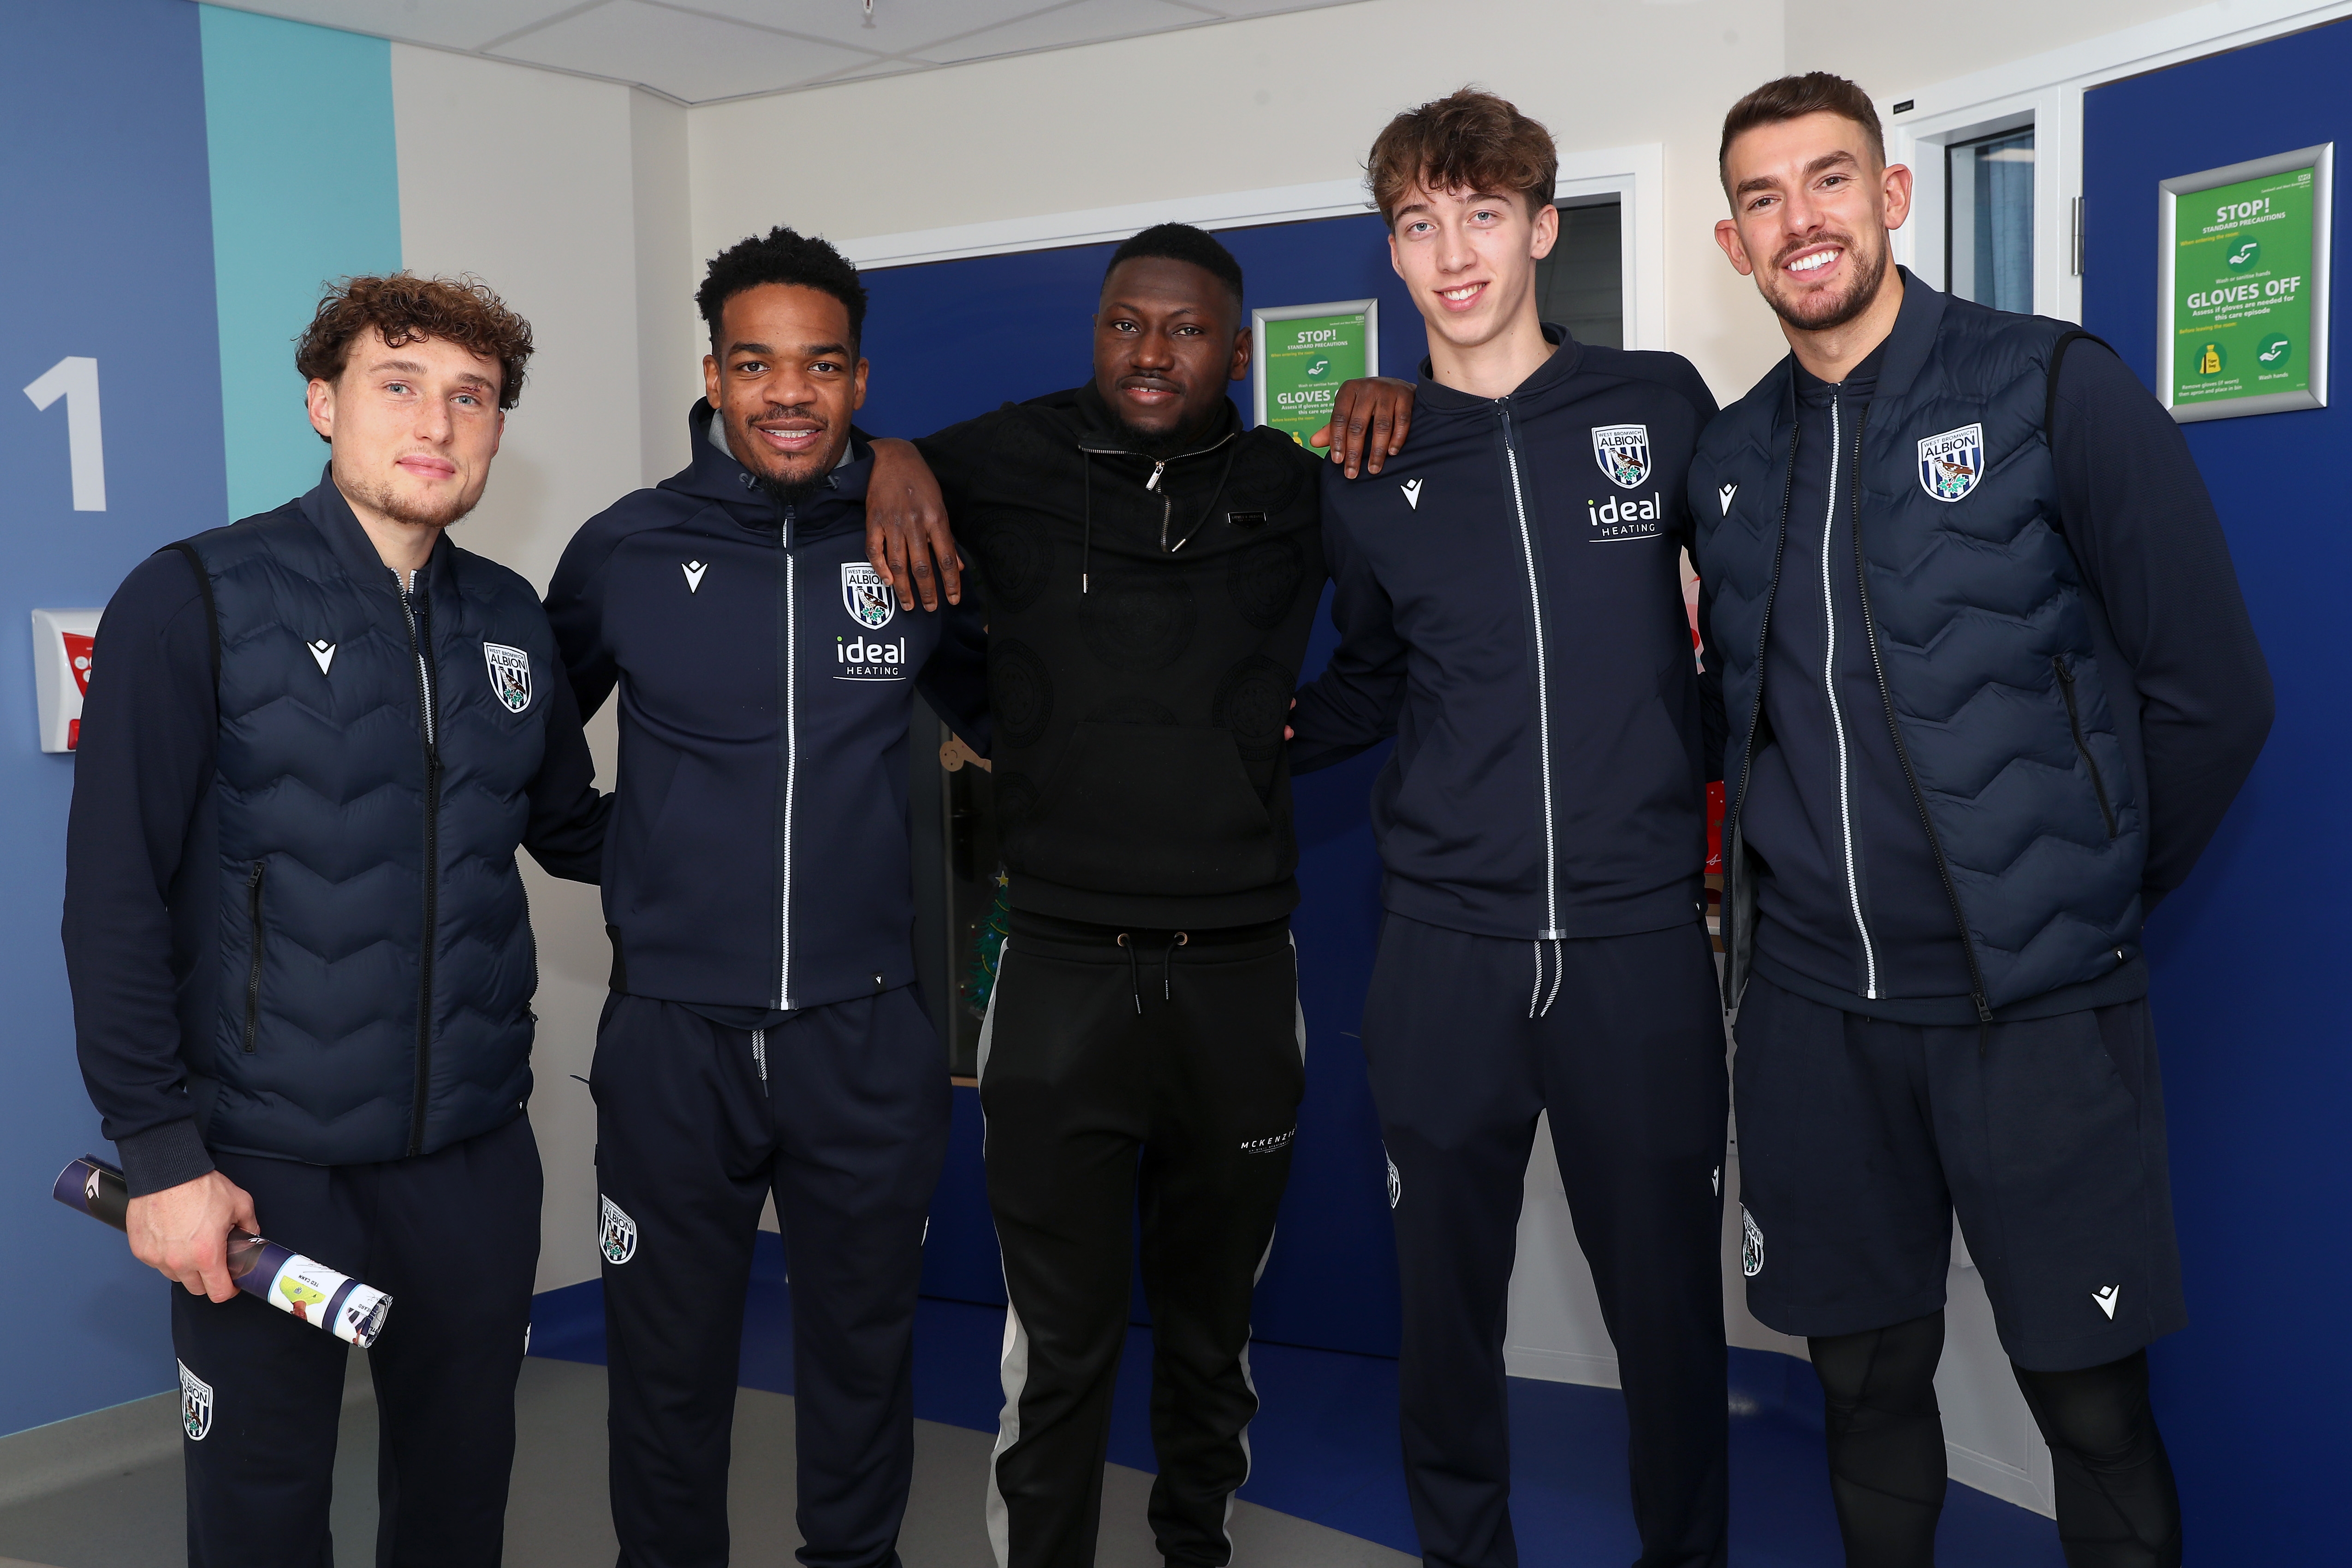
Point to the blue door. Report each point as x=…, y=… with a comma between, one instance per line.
x=2249, y=955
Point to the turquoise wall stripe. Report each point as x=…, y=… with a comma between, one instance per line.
x=304, y=188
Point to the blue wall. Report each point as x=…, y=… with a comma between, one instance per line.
x=174, y=179
x=108, y=253
x=2250, y=1000
x=954, y=339
x=305, y=184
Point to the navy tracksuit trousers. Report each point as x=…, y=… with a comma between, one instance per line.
x=1621, y=1041
x=842, y=1111
x=452, y=1238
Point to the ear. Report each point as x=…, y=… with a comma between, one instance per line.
x=319, y=399
x=497, y=432
x=1546, y=232
x=1895, y=190
x=857, y=391
x=1245, y=344
x=711, y=380
x=1727, y=235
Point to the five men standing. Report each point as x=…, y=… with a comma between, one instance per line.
x=1974, y=667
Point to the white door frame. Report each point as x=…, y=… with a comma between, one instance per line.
x=1633, y=174
x=2046, y=90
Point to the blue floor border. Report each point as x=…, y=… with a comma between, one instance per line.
x=1323, y=1447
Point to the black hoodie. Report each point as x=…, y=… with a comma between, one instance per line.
x=1146, y=622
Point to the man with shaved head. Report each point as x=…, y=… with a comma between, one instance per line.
x=1990, y=688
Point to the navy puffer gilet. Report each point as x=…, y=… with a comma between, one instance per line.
x=376, y=964
x=1987, y=643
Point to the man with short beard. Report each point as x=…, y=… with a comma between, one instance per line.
x=763, y=1034
x=300, y=955
x=1150, y=570
x=1991, y=688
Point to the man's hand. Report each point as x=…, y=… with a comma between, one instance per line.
x=907, y=527
x=182, y=1232
x=1369, y=420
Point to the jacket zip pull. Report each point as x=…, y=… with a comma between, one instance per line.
x=1152, y=483
x=785, y=677
x=2082, y=742
x=253, y=980
x=416, y=609
x=1543, y=692
x=1902, y=753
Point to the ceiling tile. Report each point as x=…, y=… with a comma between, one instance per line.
x=452, y=23
x=899, y=25
x=1088, y=21
x=687, y=55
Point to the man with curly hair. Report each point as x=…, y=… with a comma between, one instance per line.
x=300, y=956
x=765, y=1034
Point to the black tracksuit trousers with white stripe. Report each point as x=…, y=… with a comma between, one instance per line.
x=1621, y=1041
x=841, y=1112
x=1119, y=1067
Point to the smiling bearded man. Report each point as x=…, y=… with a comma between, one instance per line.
x=1990, y=689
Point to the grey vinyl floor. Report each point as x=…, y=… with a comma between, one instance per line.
x=557, y=1517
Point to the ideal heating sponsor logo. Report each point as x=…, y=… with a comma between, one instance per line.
x=1630, y=517
x=869, y=659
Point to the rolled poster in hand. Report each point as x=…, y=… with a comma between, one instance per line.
x=283, y=1278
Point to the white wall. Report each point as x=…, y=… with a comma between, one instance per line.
x=567, y=196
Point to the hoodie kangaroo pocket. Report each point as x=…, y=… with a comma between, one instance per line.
x=1151, y=808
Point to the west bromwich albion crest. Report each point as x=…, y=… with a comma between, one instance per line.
x=1623, y=453
x=868, y=602
x=510, y=675
x=616, y=1232
x=1950, y=464
x=195, y=1404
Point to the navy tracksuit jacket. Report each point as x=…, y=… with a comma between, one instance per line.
x=764, y=1034
x=1510, y=608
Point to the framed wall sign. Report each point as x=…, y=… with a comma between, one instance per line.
x=2243, y=286
x=1302, y=353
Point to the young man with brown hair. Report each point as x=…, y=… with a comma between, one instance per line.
x=300, y=956
x=1510, y=608
x=1992, y=689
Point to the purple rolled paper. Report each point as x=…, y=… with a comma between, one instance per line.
x=288, y=1281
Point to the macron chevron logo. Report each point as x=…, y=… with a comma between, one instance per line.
x=1723, y=496
x=1412, y=489
x=323, y=652
x=2105, y=1295
x=694, y=571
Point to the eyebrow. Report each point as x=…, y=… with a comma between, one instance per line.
x=1134, y=310
x=811, y=350
x=1826, y=160
x=411, y=367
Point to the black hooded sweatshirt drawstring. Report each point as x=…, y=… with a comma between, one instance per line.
x=1087, y=490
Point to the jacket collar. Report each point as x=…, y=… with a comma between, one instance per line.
x=1901, y=357
x=1914, y=337
x=1099, y=432
x=1568, y=354
x=715, y=475
x=332, y=516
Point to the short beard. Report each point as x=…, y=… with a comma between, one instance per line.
x=1856, y=300
x=381, y=499
x=793, y=494
x=1161, y=444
